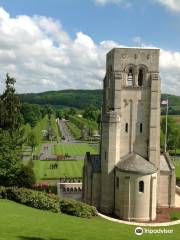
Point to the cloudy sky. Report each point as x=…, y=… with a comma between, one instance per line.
x=61, y=44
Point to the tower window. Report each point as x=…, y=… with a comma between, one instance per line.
x=117, y=182
x=126, y=127
x=130, y=77
x=140, y=77
x=105, y=155
x=141, y=186
x=141, y=127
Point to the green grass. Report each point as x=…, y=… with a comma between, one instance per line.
x=177, y=167
x=78, y=149
x=19, y=222
x=175, y=215
x=75, y=131
x=65, y=169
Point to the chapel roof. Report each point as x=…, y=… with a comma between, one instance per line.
x=135, y=163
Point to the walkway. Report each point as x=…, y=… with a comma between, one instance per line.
x=140, y=223
x=65, y=131
x=46, y=151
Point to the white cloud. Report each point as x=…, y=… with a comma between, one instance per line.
x=173, y=5
x=42, y=56
x=124, y=3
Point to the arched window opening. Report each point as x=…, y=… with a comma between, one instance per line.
x=141, y=127
x=130, y=77
x=126, y=127
x=140, y=77
x=141, y=186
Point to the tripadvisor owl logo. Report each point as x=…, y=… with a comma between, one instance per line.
x=138, y=231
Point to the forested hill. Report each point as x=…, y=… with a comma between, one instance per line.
x=79, y=98
x=70, y=98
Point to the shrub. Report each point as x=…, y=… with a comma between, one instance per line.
x=31, y=198
x=76, y=208
x=2, y=192
x=26, y=177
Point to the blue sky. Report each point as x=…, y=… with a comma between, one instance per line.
x=111, y=22
x=153, y=22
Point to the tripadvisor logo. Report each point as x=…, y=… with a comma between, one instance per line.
x=138, y=231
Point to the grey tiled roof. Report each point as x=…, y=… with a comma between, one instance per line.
x=134, y=163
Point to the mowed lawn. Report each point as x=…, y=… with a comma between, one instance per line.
x=75, y=149
x=65, y=169
x=19, y=222
x=177, y=167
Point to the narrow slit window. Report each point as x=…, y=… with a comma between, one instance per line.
x=126, y=127
x=117, y=182
x=140, y=77
x=141, y=127
x=105, y=155
x=141, y=186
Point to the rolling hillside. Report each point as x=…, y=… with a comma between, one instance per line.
x=80, y=98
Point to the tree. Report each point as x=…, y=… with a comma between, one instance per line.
x=91, y=113
x=172, y=132
x=11, y=136
x=9, y=107
x=9, y=159
x=32, y=140
x=26, y=177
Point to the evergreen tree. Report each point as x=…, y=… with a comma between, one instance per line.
x=10, y=134
x=9, y=107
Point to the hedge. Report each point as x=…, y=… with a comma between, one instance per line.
x=31, y=198
x=76, y=208
x=44, y=201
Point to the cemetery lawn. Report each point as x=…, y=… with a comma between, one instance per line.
x=177, y=167
x=75, y=149
x=65, y=168
x=19, y=222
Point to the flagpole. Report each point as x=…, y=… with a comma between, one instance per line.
x=165, y=141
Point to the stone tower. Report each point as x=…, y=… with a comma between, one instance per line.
x=131, y=112
x=128, y=172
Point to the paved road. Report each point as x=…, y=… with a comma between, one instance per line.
x=46, y=151
x=65, y=132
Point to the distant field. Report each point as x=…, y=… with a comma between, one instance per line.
x=65, y=169
x=78, y=149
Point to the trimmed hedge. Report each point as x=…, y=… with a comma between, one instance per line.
x=76, y=208
x=44, y=201
x=31, y=198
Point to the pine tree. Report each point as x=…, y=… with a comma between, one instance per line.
x=10, y=134
x=9, y=107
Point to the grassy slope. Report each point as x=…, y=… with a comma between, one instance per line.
x=74, y=149
x=19, y=222
x=65, y=168
x=177, y=166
